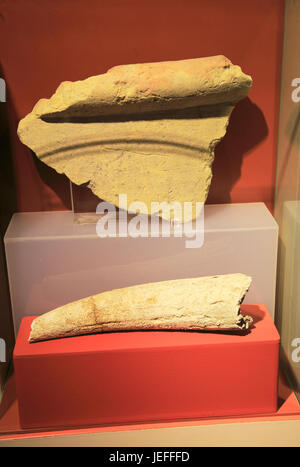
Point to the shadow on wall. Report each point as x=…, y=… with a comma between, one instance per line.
x=58, y=183
x=247, y=128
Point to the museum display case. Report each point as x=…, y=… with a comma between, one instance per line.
x=151, y=257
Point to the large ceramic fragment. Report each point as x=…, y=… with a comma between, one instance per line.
x=146, y=130
x=204, y=303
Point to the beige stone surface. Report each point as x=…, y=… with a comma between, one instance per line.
x=146, y=130
x=204, y=303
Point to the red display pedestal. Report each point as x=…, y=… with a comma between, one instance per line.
x=131, y=377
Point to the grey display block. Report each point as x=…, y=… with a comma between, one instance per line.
x=52, y=260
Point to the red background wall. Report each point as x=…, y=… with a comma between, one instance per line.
x=46, y=42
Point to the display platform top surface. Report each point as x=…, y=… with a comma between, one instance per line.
x=263, y=330
x=61, y=224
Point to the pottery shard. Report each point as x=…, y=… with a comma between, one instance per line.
x=146, y=130
x=204, y=303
